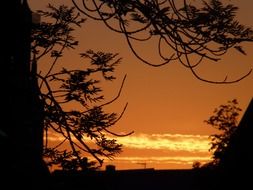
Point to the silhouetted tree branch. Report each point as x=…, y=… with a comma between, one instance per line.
x=185, y=31
x=83, y=129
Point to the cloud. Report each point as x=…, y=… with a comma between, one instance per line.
x=172, y=142
x=167, y=142
x=163, y=159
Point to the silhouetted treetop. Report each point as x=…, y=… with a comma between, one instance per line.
x=186, y=31
x=225, y=119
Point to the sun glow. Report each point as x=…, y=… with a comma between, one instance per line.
x=173, y=142
x=170, y=150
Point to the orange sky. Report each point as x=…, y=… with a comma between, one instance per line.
x=167, y=105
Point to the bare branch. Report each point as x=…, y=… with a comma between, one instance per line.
x=206, y=30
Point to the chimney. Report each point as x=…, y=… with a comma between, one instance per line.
x=110, y=168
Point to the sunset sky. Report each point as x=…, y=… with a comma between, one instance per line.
x=166, y=105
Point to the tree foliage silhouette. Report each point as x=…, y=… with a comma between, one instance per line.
x=185, y=31
x=84, y=128
x=225, y=119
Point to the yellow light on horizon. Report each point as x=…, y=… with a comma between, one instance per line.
x=173, y=142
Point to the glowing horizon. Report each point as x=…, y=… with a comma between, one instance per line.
x=173, y=149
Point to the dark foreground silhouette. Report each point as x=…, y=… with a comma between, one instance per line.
x=21, y=133
x=148, y=179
